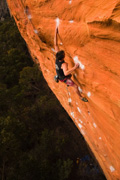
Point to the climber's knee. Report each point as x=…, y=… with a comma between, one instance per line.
x=69, y=82
x=75, y=86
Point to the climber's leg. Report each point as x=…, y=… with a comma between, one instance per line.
x=79, y=94
x=69, y=82
x=76, y=90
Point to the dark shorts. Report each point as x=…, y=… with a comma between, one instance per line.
x=69, y=82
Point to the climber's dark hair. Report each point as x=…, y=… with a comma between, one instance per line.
x=60, y=55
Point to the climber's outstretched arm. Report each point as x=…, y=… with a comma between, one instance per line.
x=56, y=41
x=65, y=69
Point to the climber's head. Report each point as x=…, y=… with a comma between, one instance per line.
x=60, y=55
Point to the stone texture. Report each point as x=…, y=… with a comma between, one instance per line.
x=90, y=31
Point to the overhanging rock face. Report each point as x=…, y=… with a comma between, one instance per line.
x=89, y=34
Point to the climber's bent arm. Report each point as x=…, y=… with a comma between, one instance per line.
x=65, y=69
x=56, y=41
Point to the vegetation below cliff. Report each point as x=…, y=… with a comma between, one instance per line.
x=4, y=12
x=37, y=138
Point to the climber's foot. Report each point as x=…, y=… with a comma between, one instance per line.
x=84, y=99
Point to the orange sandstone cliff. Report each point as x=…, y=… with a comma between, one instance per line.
x=90, y=35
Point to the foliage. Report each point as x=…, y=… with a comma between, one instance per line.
x=13, y=53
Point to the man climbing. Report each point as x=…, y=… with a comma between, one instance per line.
x=62, y=70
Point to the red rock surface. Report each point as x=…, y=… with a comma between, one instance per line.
x=89, y=30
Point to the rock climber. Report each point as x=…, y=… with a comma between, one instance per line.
x=62, y=70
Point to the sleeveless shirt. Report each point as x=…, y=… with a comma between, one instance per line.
x=59, y=71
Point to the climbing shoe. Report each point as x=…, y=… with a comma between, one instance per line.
x=84, y=99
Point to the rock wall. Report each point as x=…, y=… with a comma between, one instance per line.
x=89, y=34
